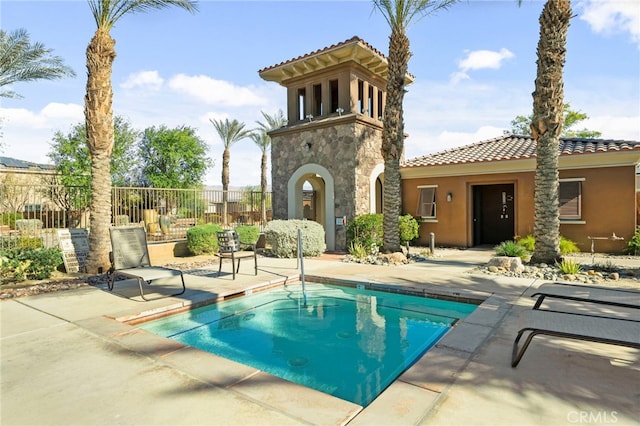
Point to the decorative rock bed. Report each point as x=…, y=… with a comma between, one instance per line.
x=513, y=267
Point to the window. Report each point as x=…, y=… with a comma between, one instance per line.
x=380, y=105
x=360, y=96
x=32, y=208
x=302, y=95
x=317, y=100
x=570, y=195
x=333, y=94
x=427, y=201
x=370, y=102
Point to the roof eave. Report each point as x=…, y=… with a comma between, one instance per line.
x=354, y=50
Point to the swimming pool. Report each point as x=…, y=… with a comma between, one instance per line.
x=347, y=342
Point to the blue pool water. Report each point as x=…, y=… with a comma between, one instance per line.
x=346, y=342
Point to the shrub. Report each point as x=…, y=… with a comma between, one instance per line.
x=633, y=246
x=566, y=246
x=528, y=242
x=10, y=219
x=202, y=239
x=282, y=235
x=28, y=225
x=568, y=266
x=358, y=251
x=409, y=227
x=248, y=235
x=512, y=249
x=21, y=241
x=365, y=230
x=24, y=263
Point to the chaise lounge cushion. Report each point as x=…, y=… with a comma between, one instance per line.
x=574, y=326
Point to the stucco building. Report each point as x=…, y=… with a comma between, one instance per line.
x=483, y=193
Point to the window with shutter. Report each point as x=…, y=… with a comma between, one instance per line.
x=427, y=202
x=570, y=195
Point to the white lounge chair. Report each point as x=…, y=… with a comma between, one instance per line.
x=614, y=331
x=593, y=294
x=130, y=258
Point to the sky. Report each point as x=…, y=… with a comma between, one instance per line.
x=474, y=66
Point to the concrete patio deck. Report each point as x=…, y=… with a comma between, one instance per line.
x=67, y=358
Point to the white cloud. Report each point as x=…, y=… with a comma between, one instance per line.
x=459, y=76
x=56, y=111
x=614, y=127
x=612, y=17
x=216, y=92
x=480, y=59
x=146, y=79
x=49, y=116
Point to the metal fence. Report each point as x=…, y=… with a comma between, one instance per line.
x=38, y=211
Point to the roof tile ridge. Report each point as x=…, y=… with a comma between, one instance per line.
x=323, y=49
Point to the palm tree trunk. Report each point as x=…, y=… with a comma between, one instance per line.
x=393, y=138
x=225, y=184
x=99, y=122
x=546, y=127
x=263, y=188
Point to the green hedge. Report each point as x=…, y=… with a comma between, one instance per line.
x=202, y=239
x=10, y=219
x=282, y=235
x=248, y=235
x=367, y=229
x=26, y=263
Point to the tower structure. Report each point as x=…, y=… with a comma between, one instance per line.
x=332, y=142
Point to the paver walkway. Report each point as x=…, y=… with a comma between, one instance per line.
x=66, y=359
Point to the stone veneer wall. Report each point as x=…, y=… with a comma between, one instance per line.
x=349, y=151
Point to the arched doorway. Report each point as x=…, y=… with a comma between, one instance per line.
x=321, y=182
x=376, y=183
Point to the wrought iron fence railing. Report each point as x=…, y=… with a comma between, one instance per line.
x=38, y=211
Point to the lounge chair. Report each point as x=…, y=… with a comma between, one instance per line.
x=599, y=329
x=592, y=294
x=229, y=248
x=130, y=258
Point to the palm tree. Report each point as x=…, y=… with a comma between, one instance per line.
x=230, y=132
x=398, y=14
x=263, y=140
x=22, y=61
x=99, y=115
x=546, y=127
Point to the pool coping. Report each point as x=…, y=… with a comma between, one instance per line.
x=427, y=380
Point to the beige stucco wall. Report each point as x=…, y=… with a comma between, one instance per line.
x=608, y=206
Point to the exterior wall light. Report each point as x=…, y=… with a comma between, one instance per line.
x=340, y=111
x=449, y=197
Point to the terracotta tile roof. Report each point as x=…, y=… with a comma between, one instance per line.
x=333, y=47
x=323, y=50
x=513, y=147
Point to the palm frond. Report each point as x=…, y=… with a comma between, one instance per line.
x=21, y=60
x=230, y=131
x=273, y=122
x=108, y=12
x=261, y=138
x=399, y=14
